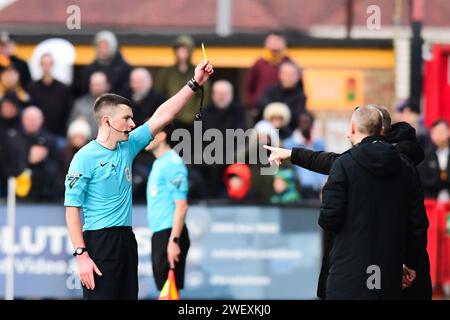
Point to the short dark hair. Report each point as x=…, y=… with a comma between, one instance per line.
x=108, y=100
x=438, y=122
x=168, y=130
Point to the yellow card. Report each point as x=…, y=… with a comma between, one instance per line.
x=204, y=52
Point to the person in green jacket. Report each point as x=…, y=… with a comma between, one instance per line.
x=172, y=78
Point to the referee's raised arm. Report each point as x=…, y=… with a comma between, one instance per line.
x=169, y=109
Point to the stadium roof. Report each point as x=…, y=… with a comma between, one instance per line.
x=200, y=15
x=162, y=19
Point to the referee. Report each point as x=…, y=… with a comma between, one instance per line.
x=167, y=190
x=99, y=181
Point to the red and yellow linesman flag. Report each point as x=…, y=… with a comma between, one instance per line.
x=169, y=290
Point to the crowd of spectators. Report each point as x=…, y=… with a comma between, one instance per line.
x=43, y=123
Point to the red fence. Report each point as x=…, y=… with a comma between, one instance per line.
x=439, y=244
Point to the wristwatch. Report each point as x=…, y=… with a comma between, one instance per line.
x=79, y=251
x=193, y=84
x=176, y=240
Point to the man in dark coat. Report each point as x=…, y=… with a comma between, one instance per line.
x=402, y=136
x=108, y=60
x=288, y=90
x=144, y=97
x=435, y=169
x=368, y=204
x=223, y=113
x=43, y=157
x=52, y=97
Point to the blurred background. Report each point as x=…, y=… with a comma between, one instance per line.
x=300, y=67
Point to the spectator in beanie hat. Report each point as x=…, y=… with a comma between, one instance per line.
x=78, y=135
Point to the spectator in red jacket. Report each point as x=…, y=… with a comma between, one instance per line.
x=264, y=72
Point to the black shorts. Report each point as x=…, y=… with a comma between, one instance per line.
x=160, y=264
x=114, y=251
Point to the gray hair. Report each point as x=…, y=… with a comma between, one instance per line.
x=384, y=115
x=368, y=119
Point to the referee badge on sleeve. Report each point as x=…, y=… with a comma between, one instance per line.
x=177, y=181
x=72, y=178
x=128, y=174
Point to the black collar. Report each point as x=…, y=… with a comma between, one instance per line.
x=371, y=139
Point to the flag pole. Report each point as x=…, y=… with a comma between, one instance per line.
x=11, y=226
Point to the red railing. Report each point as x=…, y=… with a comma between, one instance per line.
x=439, y=244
